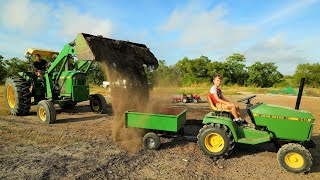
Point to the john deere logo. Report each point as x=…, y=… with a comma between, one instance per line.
x=282, y=117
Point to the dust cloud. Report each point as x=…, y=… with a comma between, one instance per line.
x=124, y=64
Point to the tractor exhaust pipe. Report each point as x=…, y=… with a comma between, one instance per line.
x=300, y=93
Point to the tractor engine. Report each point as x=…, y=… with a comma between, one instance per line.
x=283, y=122
x=73, y=84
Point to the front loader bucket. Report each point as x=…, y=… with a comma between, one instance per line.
x=114, y=52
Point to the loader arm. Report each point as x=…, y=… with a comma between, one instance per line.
x=83, y=66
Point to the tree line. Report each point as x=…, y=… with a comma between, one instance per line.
x=187, y=72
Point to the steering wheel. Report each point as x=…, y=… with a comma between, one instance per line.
x=247, y=99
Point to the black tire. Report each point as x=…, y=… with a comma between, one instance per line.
x=224, y=141
x=46, y=112
x=67, y=105
x=98, y=104
x=151, y=141
x=18, y=96
x=294, y=158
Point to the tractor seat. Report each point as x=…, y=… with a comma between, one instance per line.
x=213, y=106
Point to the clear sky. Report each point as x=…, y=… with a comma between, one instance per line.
x=285, y=32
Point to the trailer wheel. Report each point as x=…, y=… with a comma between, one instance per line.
x=294, y=158
x=17, y=96
x=151, y=141
x=46, y=112
x=216, y=140
x=195, y=100
x=98, y=104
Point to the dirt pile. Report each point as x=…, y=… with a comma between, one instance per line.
x=124, y=64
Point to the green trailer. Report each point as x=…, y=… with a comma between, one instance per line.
x=289, y=129
x=165, y=123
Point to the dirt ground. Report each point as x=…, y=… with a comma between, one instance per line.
x=79, y=146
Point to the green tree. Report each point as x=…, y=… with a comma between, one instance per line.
x=216, y=67
x=263, y=74
x=235, y=69
x=15, y=65
x=95, y=74
x=167, y=75
x=194, y=70
x=3, y=70
x=309, y=71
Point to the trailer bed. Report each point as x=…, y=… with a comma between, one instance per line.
x=165, y=120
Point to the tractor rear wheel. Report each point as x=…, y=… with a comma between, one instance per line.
x=151, y=141
x=46, y=112
x=18, y=96
x=216, y=140
x=294, y=158
x=98, y=104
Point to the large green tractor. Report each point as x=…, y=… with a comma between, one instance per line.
x=62, y=84
x=290, y=129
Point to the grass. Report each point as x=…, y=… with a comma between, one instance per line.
x=3, y=109
x=231, y=90
x=94, y=89
x=203, y=90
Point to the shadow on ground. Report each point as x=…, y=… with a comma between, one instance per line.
x=79, y=119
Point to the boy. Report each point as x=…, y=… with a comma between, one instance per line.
x=222, y=103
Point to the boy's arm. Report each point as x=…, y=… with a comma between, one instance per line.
x=223, y=98
x=219, y=100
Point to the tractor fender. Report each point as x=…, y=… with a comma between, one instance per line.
x=210, y=118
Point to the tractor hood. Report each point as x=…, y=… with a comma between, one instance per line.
x=90, y=47
x=281, y=112
x=284, y=123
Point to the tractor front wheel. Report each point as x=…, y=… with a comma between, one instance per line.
x=18, y=96
x=46, y=112
x=98, y=104
x=151, y=141
x=294, y=158
x=216, y=140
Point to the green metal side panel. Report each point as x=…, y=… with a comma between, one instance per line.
x=156, y=121
x=73, y=85
x=65, y=83
x=249, y=135
x=210, y=118
x=285, y=123
x=80, y=93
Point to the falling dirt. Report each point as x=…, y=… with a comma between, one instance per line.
x=124, y=64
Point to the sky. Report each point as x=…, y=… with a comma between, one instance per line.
x=285, y=32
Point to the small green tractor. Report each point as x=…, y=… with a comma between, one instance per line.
x=289, y=129
x=61, y=84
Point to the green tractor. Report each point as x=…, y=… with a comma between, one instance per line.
x=290, y=129
x=62, y=84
